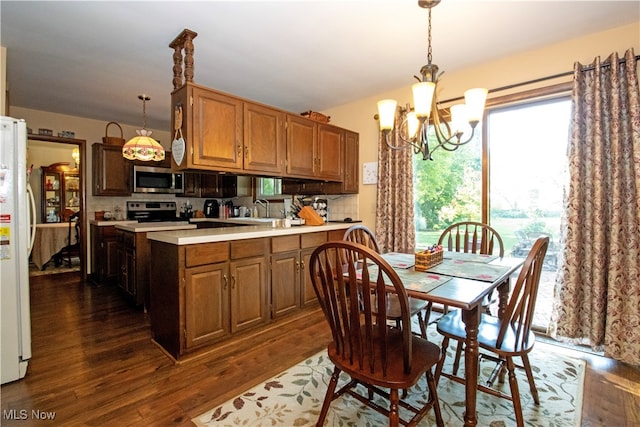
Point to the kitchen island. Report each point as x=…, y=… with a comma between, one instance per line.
x=211, y=285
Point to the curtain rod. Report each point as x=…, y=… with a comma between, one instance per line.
x=541, y=79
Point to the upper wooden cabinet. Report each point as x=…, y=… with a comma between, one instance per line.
x=111, y=171
x=264, y=139
x=216, y=130
x=225, y=133
x=351, y=165
x=330, y=152
x=314, y=150
x=302, y=146
x=228, y=134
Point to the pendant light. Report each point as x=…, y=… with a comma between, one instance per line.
x=143, y=147
x=424, y=127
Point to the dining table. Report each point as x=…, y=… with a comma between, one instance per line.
x=461, y=280
x=50, y=238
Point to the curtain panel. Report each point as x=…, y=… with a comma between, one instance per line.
x=597, y=293
x=395, y=230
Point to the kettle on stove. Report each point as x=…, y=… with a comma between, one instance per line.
x=211, y=208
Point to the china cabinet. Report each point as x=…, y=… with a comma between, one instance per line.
x=60, y=192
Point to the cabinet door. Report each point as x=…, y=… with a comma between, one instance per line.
x=248, y=293
x=301, y=146
x=330, y=152
x=206, y=303
x=285, y=283
x=111, y=171
x=263, y=139
x=191, y=185
x=307, y=293
x=351, y=182
x=350, y=179
x=217, y=130
x=210, y=185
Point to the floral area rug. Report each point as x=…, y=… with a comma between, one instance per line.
x=294, y=397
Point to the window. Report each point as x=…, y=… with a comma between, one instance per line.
x=268, y=188
x=510, y=177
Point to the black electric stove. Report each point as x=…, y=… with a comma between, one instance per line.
x=152, y=211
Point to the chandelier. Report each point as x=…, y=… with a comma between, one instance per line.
x=143, y=147
x=424, y=126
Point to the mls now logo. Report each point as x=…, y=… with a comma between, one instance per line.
x=23, y=414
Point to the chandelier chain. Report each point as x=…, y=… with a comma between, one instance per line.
x=429, y=39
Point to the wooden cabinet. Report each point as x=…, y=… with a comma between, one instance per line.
x=314, y=150
x=264, y=139
x=229, y=134
x=285, y=275
x=225, y=133
x=133, y=257
x=60, y=195
x=216, y=132
x=111, y=171
x=227, y=294
x=291, y=287
x=105, y=266
x=205, y=293
x=330, y=152
x=207, y=301
x=302, y=146
x=351, y=165
x=211, y=185
x=350, y=177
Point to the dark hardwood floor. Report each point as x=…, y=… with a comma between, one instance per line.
x=94, y=364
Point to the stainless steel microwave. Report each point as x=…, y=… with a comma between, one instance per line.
x=149, y=179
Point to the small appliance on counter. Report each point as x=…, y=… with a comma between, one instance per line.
x=211, y=208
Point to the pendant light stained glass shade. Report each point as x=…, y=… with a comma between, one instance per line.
x=143, y=147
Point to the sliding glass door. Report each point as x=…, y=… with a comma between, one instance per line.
x=527, y=146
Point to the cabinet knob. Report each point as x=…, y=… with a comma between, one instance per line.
x=226, y=282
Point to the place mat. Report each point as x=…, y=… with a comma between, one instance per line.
x=467, y=256
x=412, y=280
x=399, y=260
x=469, y=270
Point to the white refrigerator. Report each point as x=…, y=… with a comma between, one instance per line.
x=17, y=228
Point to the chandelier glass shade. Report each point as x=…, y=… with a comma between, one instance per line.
x=424, y=126
x=143, y=147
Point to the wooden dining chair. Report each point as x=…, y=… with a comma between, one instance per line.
x=502, y=339
x=471, y=237
x=72, y=249
x=421, y=309
x=344, y=275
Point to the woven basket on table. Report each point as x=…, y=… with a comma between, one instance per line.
x=112, y=140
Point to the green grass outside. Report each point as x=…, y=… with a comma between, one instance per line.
x=505, y=226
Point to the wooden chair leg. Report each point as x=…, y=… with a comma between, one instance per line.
x=443, y=355
x=532, y=384
x=456, y=362
x=515, y=393
x=423, y=327
x=328, y=397
x=394, y=415
x=433, y=397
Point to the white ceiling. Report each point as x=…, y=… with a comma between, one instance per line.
x=92, y=59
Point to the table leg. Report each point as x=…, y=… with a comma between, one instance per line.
x=471, y=319
x=503, y=297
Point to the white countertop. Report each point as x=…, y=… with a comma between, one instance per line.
x=209, y=235
x=145, y=227
x=110, y=222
